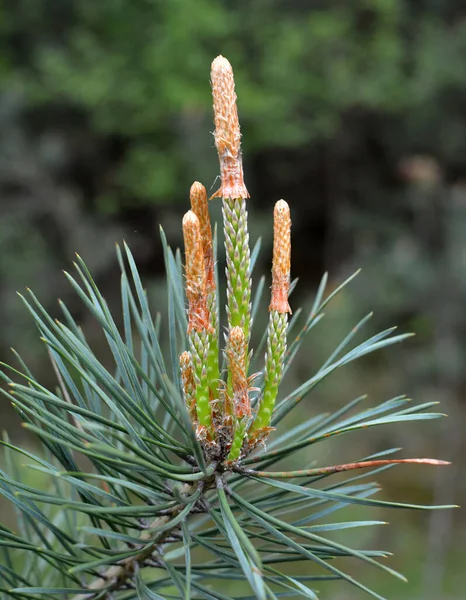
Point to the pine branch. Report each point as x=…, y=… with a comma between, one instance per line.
x=119, y=576
x=160, y=462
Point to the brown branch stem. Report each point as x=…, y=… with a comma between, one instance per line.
x=116, y=576
x=340, y=468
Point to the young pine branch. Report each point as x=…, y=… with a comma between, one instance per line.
x=152, y=494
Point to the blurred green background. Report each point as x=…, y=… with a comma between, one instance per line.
x=354, y=112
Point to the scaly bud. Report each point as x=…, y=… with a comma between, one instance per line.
x=236, y=352
x=237, y=366
x=278, y=322
x=227, y=132
x=199, y=206
x=196, y=287
x=189, y=386
x=281, y=258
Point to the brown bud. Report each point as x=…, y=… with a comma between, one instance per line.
x=189, y=386
x=227, y=131
x=281, y=258
x=199, y=206
x=236, y=353
x=198, y=314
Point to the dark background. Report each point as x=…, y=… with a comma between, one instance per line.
x=354, y=112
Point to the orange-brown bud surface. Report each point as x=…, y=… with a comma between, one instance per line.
x=196, y=288
x=281, y=263
x=237, y=365
x=189, y=386
x=227, y=131
x=199, y=205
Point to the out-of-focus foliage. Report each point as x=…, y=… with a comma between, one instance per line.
x=136, y=69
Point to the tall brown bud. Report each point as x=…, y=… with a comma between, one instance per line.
x=189, y=385
x=236, y=352
x=281, y=258
x=227, y=131
x=199, y=206
x=198, y=314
